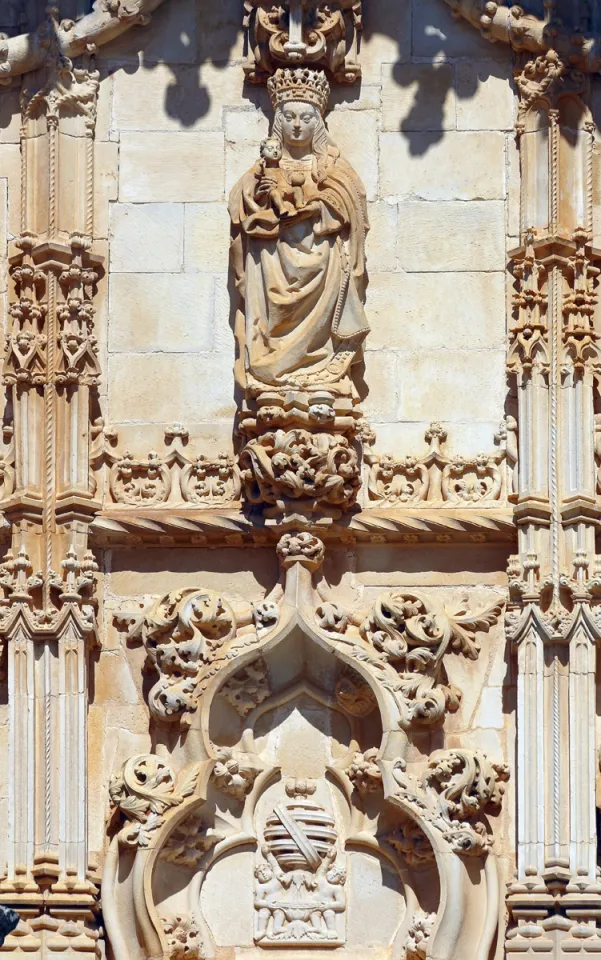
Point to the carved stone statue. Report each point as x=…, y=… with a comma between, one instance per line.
x=299, y=222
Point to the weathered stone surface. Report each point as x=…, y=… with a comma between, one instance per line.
x=161, y=167
x=133, y=380
x=474, y=165
x=485, y=97
x=206, y=237
x=421, y=391
x=428, y=236
x=409, y=312
x=381, y=239
x=148, y=238
x=359, y=144
x=183, y=98
x=418, y=96
x=162, y=312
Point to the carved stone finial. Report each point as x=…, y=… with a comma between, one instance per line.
x=303, y=548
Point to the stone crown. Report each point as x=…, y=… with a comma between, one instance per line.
x=310, y=86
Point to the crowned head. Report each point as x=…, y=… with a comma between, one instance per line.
x=302, y=85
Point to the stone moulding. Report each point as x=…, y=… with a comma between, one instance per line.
x=232, y=527
x=527, y=33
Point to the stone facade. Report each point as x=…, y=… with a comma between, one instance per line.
x=299, y=479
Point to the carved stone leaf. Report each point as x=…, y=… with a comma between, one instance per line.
x=187, y=781
x=134, y=807
x=466, y=623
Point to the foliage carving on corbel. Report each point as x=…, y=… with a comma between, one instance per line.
x=282, y=467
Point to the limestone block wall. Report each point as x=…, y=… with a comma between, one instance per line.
x=429, y=132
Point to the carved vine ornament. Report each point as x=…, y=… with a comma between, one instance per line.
x=191, y=635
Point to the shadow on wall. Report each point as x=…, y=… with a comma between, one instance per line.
x=399, y=32
x=184, y=35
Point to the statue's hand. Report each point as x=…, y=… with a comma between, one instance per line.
x=263, y=187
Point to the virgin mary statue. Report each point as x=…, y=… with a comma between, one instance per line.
x=299, y=221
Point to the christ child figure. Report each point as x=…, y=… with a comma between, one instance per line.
x=287, y=197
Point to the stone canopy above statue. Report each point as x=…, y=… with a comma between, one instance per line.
x=303, y=32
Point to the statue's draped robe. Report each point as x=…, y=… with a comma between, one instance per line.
x=291, y=276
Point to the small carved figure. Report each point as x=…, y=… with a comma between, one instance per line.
x=330, y=895
x=268, y=888
x=286, y=195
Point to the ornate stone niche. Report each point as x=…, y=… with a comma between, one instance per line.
x=287, y=779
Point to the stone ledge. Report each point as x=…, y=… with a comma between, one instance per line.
x=231, y=527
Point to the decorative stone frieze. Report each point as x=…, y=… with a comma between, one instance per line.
x=437, y=478
x=176, y=475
